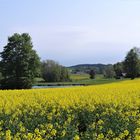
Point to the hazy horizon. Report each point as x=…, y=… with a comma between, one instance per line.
x=74, y=32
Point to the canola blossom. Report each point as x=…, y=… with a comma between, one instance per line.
x=101, y=112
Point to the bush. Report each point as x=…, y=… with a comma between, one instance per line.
x=53, y=72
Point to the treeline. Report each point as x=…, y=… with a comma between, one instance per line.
x=128, y=68
x=85, y=68
x=54, y=72
x=106, y=70
x=20, y=64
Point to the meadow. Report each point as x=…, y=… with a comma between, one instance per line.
x=78, y=79
x=99, y=112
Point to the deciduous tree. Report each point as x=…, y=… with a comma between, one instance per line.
x=132, y=63
x=19, y=62
x=54, y=72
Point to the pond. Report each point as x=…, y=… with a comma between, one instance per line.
x=55, y=86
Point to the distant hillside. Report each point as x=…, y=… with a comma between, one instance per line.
x=88, y=65
x=99, y=68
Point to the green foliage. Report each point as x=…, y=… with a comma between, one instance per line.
x=132, y=63
x=64, y=76
x=1, y=77
x=92, y=74
x=53, y=72
x=85, y=68
x=109, y=72
x=20, y=63
x=118, y=68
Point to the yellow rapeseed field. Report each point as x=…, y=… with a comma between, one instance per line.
x=101, y=112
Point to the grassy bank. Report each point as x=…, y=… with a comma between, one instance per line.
x=78, y=79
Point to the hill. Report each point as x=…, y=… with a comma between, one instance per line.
x=85, y=68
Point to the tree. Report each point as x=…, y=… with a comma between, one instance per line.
x=19, y=63
x=53, y=72
x=109, y=72
x=64, y=74
x=118, y=68
x=92, y=74
x=132, y=63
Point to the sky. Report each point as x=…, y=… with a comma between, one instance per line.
x=74, y=31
